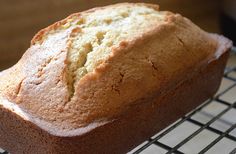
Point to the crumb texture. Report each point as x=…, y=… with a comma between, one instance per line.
x=93, y=66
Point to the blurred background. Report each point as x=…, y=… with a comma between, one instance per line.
x=21, y=19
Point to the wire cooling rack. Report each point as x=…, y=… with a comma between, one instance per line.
x=210, y=128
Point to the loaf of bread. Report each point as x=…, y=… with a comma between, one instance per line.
x=104, y=80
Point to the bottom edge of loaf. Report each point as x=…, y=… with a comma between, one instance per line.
x=138, y=124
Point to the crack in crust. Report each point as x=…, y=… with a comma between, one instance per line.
x=71, y=69
x=153, y=65
x=43, y=66
x=115, y=86
x=182, y=43
x=19, y=87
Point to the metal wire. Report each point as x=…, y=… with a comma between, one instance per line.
x=202, y=126
x=222, y=134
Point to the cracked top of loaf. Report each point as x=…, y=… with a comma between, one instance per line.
x=94, y=65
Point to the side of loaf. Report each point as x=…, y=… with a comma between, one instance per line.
x=115, y=74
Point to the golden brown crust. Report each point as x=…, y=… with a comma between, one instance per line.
x=138, y=124
x=149, y=65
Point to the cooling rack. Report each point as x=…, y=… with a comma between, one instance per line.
x=210, y=128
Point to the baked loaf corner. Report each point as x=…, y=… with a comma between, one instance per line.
x=93, y=66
